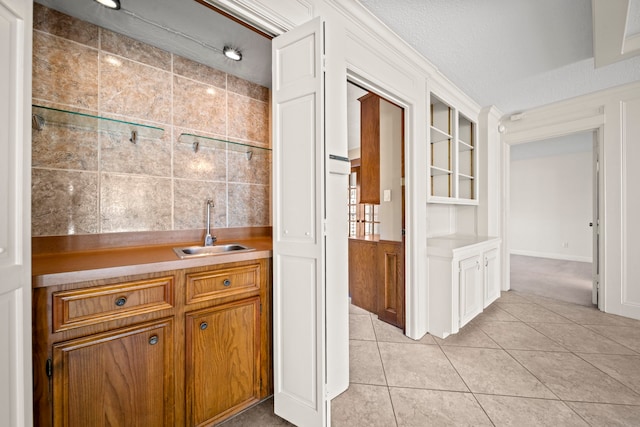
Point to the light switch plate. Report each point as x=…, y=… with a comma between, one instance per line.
x=386, y=195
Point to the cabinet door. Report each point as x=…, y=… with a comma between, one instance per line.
x=471, y=289
x=370, y=149
x=363, y=274
x=119, y=378
x=491, y=276
x=222, y=360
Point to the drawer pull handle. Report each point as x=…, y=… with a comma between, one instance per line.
x=204, y=325
x=153, y=340
x=227, y=282
x=121, y=301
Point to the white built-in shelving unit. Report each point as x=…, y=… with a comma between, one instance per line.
x=452, y=155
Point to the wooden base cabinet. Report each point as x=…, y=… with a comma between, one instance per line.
x=176, y=348
x=464, y=278
x=223, y=360
x=123, y=377
x=376, y=278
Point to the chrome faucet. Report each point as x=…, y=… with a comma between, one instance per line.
x=208, y=239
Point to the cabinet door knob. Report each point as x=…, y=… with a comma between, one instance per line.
x=153, y=340
x=227, y=282
x=121, y=301
x=204, y=325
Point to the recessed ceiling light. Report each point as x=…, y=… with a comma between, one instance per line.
x=232, y=53
x=111, y=4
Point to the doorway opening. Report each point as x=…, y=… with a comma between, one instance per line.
x=554, y=217
x=376, y=204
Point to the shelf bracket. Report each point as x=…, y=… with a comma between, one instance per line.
x=195, y=146
x=134, y=136
x=249, y=154
x=37, y=122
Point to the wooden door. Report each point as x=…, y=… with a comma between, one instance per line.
x=118, y=378
x=471, y=289
x=15, y=213
x=222, y=360
x=299, y=293
x=390, y=262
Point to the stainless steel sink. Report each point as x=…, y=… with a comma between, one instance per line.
x=196, y=251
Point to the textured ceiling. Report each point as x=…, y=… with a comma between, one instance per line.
x=514, y=54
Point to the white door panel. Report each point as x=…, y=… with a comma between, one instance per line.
x=297, y=171
x=337, y=263
x=298, y=189
x=297, y=313
x=15, y=249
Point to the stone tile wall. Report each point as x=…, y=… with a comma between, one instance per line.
x=90, y=181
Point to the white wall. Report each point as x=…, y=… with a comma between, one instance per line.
x=551, y=198
x=390, y=171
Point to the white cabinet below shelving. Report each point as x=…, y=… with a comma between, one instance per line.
x=464, y=278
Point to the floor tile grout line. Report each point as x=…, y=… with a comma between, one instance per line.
x=525, y=368
x=611, y=338
x=384, y=371
x=605, y=373
x=572, y=351
x=601, y=403
x=465, y=384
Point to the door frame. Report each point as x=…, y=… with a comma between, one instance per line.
x=16, y=390
x=537, y=135
x=353, y=76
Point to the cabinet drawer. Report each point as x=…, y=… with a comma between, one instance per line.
x=221, y=283
x=82, y=307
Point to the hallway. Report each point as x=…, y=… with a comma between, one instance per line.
x=526, y=360
x=568, y=281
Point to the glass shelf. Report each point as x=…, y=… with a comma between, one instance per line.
x=45, y=115
x=197, y=141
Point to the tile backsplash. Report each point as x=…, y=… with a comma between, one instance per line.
x=94, y=181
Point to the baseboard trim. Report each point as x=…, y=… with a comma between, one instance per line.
x=563, y=257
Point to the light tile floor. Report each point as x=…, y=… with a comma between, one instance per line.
x=525, y=361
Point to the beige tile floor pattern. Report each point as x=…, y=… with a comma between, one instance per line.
x=525, y=361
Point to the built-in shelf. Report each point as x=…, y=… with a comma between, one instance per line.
x=464, y=146
x=438, y=135
x=198, y=141
x=42, y=116
x=435, y=171
x=452, y=155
